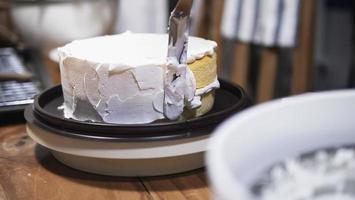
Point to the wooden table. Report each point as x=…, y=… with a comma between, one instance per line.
x=29, y=171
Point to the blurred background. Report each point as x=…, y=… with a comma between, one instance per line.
x=272, y=48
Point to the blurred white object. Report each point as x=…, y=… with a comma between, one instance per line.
x=53, y=55
x=252, y=141
x=48, y=24
x=142, y=16
x=264, y=22
x=323, y=173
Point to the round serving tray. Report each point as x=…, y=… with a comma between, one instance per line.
x=229, y=99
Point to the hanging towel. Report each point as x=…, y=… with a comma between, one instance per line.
x=142, y=16
x=263, y=22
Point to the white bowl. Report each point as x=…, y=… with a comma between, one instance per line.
x=253, y=140
x=52, y=23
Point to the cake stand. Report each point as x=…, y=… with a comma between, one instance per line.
x=128, y=150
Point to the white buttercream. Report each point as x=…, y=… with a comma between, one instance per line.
x=196, y=101
x=120, y=78
x=323, y=175
x=214, y=85
x=132, y=50
x=179, y=87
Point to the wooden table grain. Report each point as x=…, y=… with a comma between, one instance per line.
x=29, y=171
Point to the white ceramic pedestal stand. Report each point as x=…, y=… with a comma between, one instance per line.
x=116, y=158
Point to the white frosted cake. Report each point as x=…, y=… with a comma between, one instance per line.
x=120, y=78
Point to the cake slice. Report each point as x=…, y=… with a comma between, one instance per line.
x=120, y=78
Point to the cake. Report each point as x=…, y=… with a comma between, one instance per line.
x=120, y=78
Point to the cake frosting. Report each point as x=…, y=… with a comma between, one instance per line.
x=120, y=78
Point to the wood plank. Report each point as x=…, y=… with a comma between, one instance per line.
x=203, y=177
x=240, y=66
x=29, y=171
x=4, y=12
x=201, y=21
x=7, y=36
x=184, y=186
x=4, y=4
x=193, y=187
x=163, y=189
x=216, y=13
x=53, y=69
x=267, y=74
x=302, y=77
x=197, y=26
x=3, y=18
x=2, y=193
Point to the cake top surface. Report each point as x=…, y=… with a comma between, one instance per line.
x=133, y=49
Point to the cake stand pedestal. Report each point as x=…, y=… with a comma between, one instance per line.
x=129, y=150
x=121, y=158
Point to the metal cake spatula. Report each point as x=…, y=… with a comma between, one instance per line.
x=179, y=30
x=175, y=77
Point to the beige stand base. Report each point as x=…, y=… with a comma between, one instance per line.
x=149, y=158
x=132, y=167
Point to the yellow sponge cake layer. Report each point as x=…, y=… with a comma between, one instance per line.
x=207, y=104
x=204, y=70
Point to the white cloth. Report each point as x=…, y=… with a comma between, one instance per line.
x=263, y=22
x=290, y=15
x=142, y=16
